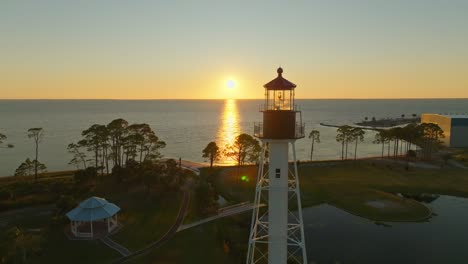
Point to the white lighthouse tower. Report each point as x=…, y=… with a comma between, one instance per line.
x=277, y=233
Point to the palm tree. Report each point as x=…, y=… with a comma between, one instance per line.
x=212, y=152
x=315, y=136
x=357, y=134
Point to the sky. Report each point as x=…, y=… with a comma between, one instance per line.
x=191, y=49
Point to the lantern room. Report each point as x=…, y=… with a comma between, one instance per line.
x=279, y=94
x=281, y=120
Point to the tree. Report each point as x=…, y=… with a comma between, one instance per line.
x=206, y=198
x=95, y=137
x=212, y=152
x=402, y=116
x=150, y=173
x=27, y=167
x=172, y=174
x=36, y=134
x=245, y=147
x=344, y=136
x=85, y=176
x=79, y=157
x=2, y=138
x=431, y=135
x=117, y=131
x=357, y=134
x=381, y=138
x=315, y=137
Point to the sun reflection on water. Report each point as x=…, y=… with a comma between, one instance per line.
x=229, y=128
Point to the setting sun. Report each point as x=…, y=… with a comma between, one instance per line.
x=230, y=84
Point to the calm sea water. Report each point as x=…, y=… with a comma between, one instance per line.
x=188, y=125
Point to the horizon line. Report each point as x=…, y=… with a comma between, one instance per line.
x=168, y=99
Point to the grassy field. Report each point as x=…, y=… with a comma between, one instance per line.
x=146, y=219
x=461, y=156
x=23, y=192
x=346, y=185
x=221, y=241
x=352, y=185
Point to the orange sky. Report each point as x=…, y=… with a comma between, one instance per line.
x=152, y=50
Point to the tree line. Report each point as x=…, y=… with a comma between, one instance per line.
x=399, y=140
x=245, y=148
x=115, y=144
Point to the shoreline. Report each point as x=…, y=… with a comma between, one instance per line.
x=196, y=164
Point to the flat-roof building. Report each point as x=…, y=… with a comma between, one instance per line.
x=455, y=127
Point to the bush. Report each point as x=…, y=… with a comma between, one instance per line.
x=65, y=203
x=411, y=153
x=86, y=175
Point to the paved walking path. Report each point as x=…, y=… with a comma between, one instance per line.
x=229, y=212
x=456, y=164
x=191, y=165
x=114, y=245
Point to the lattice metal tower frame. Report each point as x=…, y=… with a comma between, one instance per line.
x=277, y=233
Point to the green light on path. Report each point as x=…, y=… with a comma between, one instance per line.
x=244, y=178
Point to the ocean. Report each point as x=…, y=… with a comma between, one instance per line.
x=187, y=126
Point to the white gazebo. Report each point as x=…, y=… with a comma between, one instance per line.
x=94, y=215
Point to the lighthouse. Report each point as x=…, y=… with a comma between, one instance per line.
x=277, y=229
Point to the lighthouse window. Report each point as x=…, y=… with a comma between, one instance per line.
x=278, y=173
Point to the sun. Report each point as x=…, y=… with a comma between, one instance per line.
x=230, y=84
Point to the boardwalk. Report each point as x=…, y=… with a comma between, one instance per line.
x=114, y=245
x=224, y=213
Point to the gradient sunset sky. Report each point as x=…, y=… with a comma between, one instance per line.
x=190, y=49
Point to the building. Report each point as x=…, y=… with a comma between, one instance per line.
x=455, y=128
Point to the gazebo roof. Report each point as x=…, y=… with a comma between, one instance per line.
x=93, y=209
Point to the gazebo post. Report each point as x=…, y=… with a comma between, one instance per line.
x=108, y=226
x=92, y=234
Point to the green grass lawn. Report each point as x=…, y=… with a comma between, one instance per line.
x=222, y=241
x=146, y=218
x=346, y=185
x=351, y=185
x=461, y=156
x=58, y=249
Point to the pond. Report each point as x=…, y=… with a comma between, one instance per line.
x=335, y=236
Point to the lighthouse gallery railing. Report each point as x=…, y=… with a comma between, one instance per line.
x=299, y=131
